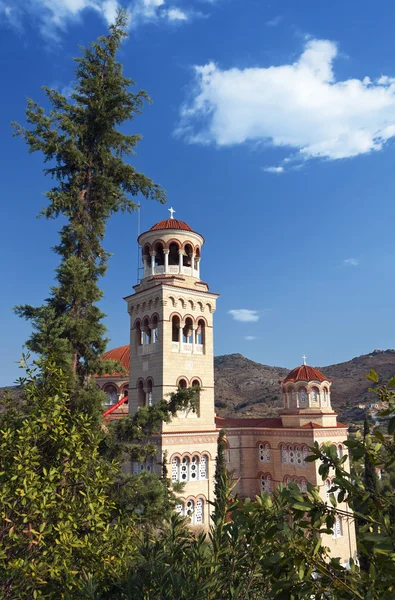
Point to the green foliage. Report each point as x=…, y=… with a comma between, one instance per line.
x=59, y=521
x=81, y=141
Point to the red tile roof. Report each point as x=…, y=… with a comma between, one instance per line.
x=122, y=354
x=305, y=373
x=171, y=224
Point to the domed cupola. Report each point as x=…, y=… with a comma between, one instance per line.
x=306, y=393
x=171, y=249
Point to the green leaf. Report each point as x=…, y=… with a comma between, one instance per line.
x=372, y=376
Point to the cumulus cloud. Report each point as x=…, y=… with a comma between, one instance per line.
x=351, y=262
x=250, y=338
x=299, y=106
x=244, y=314
x=175, y=14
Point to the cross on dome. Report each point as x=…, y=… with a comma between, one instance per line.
x=171, y=211
x=304, y=359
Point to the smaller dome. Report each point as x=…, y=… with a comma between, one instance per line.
x=304, y=373
x=171, y=224
x=122, y=354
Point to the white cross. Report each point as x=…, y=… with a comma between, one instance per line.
x=171, y=211
x=304, y=359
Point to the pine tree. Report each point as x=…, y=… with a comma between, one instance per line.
x=81, y=140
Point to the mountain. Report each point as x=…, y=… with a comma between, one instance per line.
x=247, y=388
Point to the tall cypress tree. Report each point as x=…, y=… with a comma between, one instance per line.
x=81, y=140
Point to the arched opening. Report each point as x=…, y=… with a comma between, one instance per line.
x=303, y=397
x=187, y=257
x=194, y=470
x=138, y=333
x=315, y=395
x=187, y=331
x=125, y=393
x=154, y=329
x=199, y=512
x=148, y=393
x=190, y=510
x=197, y=259
x=184, y=470
x=266, y=483
x=175, y=470
x=159, y=256
x=111, y=395
x=140, y=395
x=324, y=396
x=175, y=328
x=146, y=259
x=182, y=384
x=173, y=254
x=201, y=333
x=203, y=469
x=146, y=332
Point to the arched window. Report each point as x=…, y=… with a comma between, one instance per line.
x=173, y=254
x=338, y=527
x=324, y=396
x=203, y=470
x=184, y=470
x=180, y=510
x=190, y=509
x=340, y=451
x=187, y=257
x=194, y=469
x=291, y=454
x=316, y=394
x=175, y=328
x=284, y=454
x=159, y=256
x=138, y=334
x=197, y=258
x=292, y=398
x=196, y=384
x=154, y=329
x=266, y=483
x=146, y=332
x=303, y=396
x=200, y=332
x=175, y=470
x=146, y=258
x=148, y=393
x=187, y=331
x=140, y=394
x=298, y=455
x=264, y=452
x=303, y=485
x=199, y=512
x=111, y=395
x=287, y=480
x=182, y=384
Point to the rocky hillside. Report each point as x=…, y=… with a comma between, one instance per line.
x=244, y=387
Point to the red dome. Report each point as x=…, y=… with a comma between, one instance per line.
x=171, y=224
x=122, y=354
x=305, y=373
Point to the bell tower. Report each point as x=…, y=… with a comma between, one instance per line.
x=171, y=325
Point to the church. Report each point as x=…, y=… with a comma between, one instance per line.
x=171, y=345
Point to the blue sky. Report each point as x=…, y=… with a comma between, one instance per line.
x=272, y=130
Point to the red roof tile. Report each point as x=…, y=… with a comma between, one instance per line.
x=311, y=425
x=305, y=373
x=171, y=224
x=122, y=354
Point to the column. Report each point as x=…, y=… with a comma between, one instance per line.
x=166, y=253
x=153, y=254
x=193, y=339
x=198, y=267
x=180, y=338
x=193, y=264
x=180, y=255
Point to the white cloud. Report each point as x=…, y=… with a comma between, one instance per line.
x=175, y=14
x=244, y=314
x=298, y=106
x=275, y=21
x=250, y=338
x=274, y=169
x=351, y=262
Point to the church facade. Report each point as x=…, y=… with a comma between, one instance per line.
x=171, y=345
